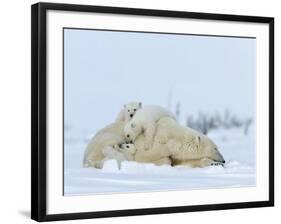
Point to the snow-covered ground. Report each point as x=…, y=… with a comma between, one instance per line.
x=239, y=170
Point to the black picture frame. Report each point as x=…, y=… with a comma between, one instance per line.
x=39, y=116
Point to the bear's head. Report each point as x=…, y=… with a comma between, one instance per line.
x=131, y=131
x=208, y=148
x=117, y=146
x=129, y=148
x=131, y=108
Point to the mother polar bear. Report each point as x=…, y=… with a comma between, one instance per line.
x=177, y=145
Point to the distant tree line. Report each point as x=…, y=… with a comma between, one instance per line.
x=204, y=122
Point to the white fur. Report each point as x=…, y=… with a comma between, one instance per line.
x=144, y=121
x=109, y=137
x=171, y=143
x=124, y=153
x=129, y=110
x=177, y=145
x=108, y=140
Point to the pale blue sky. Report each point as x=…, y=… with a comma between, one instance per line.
x=105, y=69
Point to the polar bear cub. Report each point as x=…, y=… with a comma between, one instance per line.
x=93, y=156
x=120, y=153
x=144, y=121
x=128, y=112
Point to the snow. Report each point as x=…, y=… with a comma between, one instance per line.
x=239, y=170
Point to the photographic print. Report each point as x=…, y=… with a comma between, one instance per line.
x=157, y=111
x=141, y=111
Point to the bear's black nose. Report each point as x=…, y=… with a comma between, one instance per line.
x=128, y=136
x=131, y=115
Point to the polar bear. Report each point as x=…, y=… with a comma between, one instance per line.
x=128, y=111
x=109, y=136
x=94, y=155
x=177, y=145
x=144, y=121
x=124, y=152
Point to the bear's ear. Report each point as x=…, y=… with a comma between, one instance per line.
x=140, y=104
x=197, y=140
x=133, y=125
